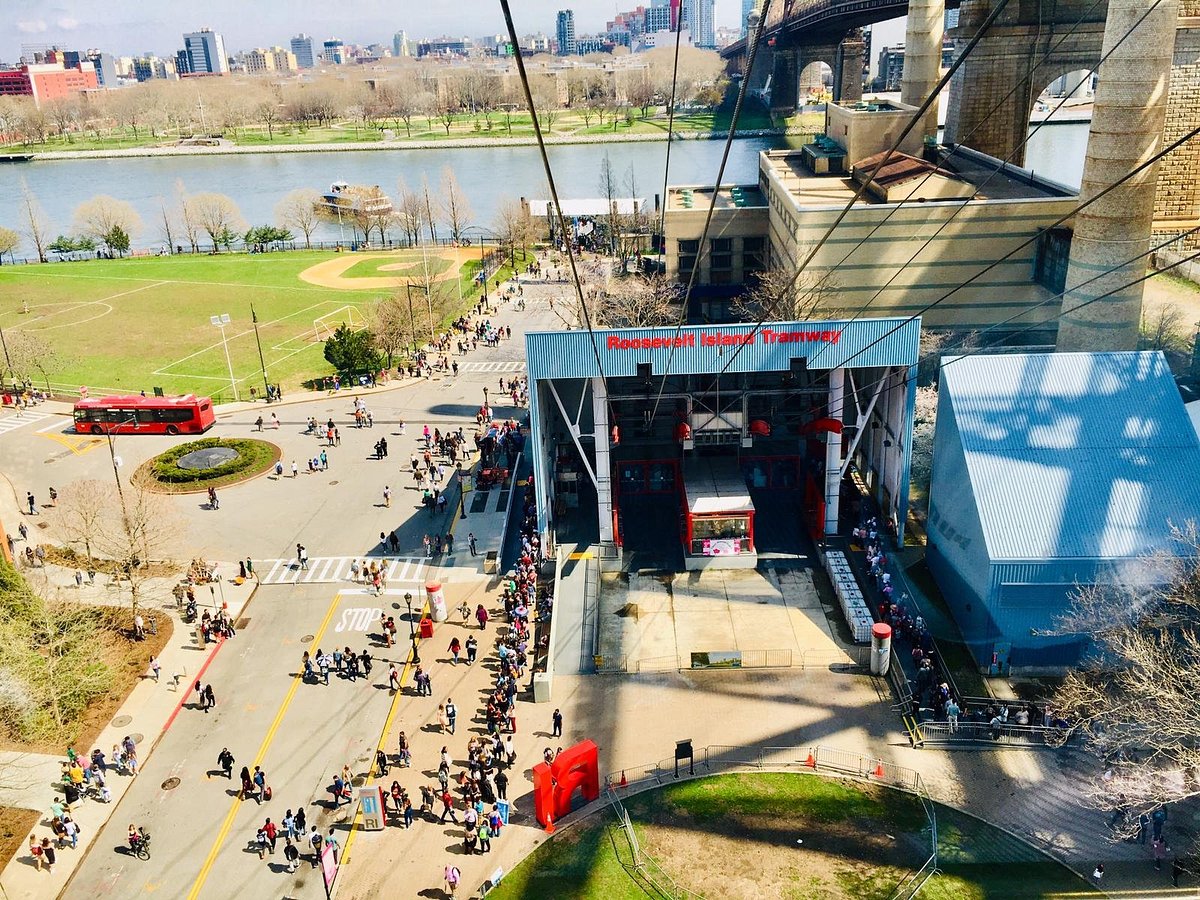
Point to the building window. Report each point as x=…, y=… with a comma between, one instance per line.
x=1050, y=261
x=720, y=276
x=722, y=255
x=686, y=264
x=689, y=247
x=753, y=257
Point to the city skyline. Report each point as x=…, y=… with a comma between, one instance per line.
x=123, y=28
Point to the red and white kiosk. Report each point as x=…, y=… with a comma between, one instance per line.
x=718, y=518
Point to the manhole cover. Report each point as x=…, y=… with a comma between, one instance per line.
x=335, y=481
x=121, y=721
x=242, y=623
x=137, y=738
x=170, y=784
x=308, y=639
x=207, y=458
x=43, y=524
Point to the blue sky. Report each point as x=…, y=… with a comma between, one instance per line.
x=129, y=27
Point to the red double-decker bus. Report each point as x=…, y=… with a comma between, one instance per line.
x=188, y=414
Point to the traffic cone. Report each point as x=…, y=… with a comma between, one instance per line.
x=623, y=783
x=549, y=823
x=879, y=770
x=811, y=762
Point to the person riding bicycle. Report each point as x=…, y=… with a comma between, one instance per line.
x=136, y=836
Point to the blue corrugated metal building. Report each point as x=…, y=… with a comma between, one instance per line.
x=1051, y=471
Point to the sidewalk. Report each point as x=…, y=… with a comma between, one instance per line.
x=145, y=715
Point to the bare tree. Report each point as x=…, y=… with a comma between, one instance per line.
x=608, y=188
x=455, y=205
x=1134, y=704
x=9, y=241
x=30, y=355
x=299, y=210
x=393, y=324
x=166, y=225
x=218, y=216
x=187, y=217
x=515, y=225
x=774, y=297
x=139, y=528
x=103, y=216
x=79, y=514
x=37, y=227
x=410, y=214
x=64, y=112
x=429, y=219
x=1164, y=328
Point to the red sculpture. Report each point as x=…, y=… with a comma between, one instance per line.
x=553, y=784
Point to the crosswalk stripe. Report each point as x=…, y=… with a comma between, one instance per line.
x=325, y=569
x=495, y=366
x=12, y=423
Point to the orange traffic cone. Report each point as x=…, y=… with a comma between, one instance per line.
x=811, y=762
x=879, y=770
x=549, y=823
x=623, y=783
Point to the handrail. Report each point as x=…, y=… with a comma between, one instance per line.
x=812, y=759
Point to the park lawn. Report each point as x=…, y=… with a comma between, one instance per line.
x=129, y=325
x=735, y=836
x=374, y=268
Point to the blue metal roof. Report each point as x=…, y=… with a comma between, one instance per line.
x=1074, y=455
x=826, y=345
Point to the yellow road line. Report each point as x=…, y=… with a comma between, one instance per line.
x=258, y=759
x=387, y=726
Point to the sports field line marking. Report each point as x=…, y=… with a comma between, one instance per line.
x=19, y=270
x=164, y=370
x=258, y=760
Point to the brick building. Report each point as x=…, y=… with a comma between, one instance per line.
x=49, y=81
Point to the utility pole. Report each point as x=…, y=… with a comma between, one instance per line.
x=412, y=319
x=262, y=361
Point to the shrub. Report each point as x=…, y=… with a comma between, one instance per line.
x=251, y=455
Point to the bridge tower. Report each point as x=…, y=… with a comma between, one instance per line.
x=1127, y=129
x=923, y=58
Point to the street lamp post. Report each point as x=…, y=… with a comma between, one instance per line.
x=486, y=408
x=462, y=492
x=412, y=634
x=130, y=560
x=221, y=321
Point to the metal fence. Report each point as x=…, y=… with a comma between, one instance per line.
x=976, y=733
x=717, y=758
x=847, y=659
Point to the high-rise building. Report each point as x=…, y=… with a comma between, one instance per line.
x=282, y=60
x=334, y=51
x=748, y=6
x=206, y=52
x=698, y=19
x=400, y=44
x=304, y=47
x=183, y=63
x=566, y=32
x=105, y=66
x=657, y=18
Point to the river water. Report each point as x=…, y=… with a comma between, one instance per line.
x=487, y=175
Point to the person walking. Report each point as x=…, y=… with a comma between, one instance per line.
x=471, y=542
x=501, y=785
x=262, y=792
x=29, y=498
x=448, y=808
x=387, y=496
x=225, y=762
x=451, y=714
x=558, y=722
x=316, y=842
x=452, y=877
x=291, y=854
x=272, y=831
x=472, y=646
x=332, y=842
x=455, y=649
x=275, y=421
x=481, y=616
x=295, y=469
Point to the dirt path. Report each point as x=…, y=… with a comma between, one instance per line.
x=331, y=273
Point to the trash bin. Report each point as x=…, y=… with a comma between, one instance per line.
x=541, y=687
x=426, y=627
x=491, y=562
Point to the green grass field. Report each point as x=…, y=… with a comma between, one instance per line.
x=136, y=324
x=736, y=836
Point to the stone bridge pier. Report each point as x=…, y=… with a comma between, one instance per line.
x=791, y=72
